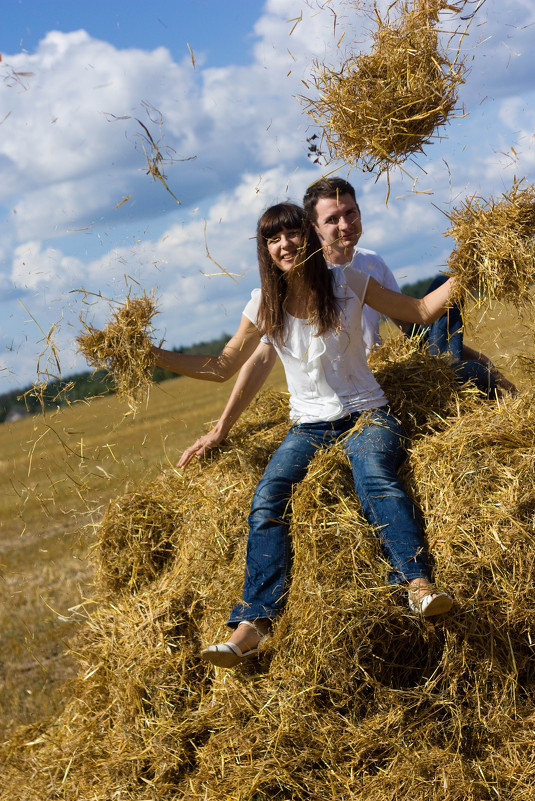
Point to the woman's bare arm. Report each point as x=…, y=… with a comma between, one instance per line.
x=213, y=368
x=250, y=379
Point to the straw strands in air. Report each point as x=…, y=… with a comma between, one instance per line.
x=352, y=698
x=494, y=257
x=123, y=348
x=380, y=108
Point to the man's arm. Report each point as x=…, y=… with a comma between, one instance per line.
x=250, y=379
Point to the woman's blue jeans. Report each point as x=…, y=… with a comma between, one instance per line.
x=375, y=452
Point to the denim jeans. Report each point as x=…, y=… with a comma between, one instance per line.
x=445, y=337
x=375, y=452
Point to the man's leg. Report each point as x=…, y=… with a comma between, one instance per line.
x=445, y=335
x=445, y=338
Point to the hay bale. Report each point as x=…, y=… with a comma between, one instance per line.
x=352, y=697
x=382, y=107
x=475, y=483
x=138, y=534
x=123, y=348
x=422, y=389
x=495, y=250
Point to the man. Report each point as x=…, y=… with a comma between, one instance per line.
x=331, y=206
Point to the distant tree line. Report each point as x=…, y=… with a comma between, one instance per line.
x=82, y=386
x=416, y=289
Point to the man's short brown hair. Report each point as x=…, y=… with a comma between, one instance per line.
x=325, y=187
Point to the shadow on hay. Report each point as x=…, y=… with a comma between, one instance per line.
x=525, y=510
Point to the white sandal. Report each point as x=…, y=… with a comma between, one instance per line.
x=434, y=603
x=228, y=654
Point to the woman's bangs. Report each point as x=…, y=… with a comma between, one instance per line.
x=284, y=215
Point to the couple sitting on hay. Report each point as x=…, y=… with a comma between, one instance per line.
x=318, y=308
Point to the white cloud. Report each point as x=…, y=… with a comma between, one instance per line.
x=35, y=267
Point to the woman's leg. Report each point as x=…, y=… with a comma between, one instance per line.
x=375, y=453
x=269, y=549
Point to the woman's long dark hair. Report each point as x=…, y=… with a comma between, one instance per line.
x=310, y=270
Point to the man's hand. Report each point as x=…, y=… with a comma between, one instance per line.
x=503, y=382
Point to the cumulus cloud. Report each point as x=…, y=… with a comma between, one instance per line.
x=74, y=131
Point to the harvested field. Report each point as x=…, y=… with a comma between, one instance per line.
x=352, y=698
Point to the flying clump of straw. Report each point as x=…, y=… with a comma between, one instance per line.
x=495, y=250
x=380, y=108
x=123, y=348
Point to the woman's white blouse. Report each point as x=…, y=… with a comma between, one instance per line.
x=328, y=376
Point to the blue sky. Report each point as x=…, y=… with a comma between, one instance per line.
x=221, y=29
x=80, y=211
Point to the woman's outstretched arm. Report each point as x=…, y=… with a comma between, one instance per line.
x=213, y=368
x=251, y=378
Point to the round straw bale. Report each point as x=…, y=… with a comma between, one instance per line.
x=123, y=348
x=495, y=250
x=150, y=527
x=475, y=482
x=382, y=107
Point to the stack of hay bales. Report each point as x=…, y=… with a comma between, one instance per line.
x=352, y=698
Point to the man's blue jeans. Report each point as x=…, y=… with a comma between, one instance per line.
x=445, y=337
x=375, y=452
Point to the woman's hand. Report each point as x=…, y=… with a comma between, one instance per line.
x=200, y=448
x=251, y=378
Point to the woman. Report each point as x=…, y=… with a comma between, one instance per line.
x=312, y=317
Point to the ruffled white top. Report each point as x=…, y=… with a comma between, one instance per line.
x=328, y=376
x=369, y=262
